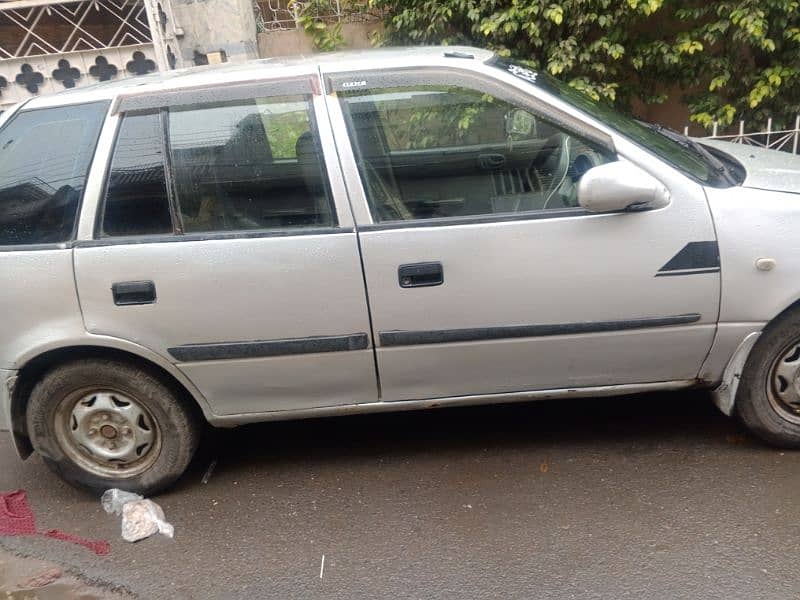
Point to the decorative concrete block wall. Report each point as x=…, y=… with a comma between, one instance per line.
x=23, y=78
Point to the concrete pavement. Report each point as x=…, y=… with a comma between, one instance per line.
x=654, y=496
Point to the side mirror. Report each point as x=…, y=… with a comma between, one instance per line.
x=520, y=122
x=620, y=186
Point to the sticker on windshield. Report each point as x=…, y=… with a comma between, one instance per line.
x=523, y=73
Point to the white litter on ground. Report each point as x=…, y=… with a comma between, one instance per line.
x=113, y=500
x=209, y=471
x=141, y=518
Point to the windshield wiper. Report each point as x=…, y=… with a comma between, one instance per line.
x=686, y=142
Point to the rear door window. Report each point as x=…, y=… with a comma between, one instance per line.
x=218, y=167
x=248, y=165
x=45, y=156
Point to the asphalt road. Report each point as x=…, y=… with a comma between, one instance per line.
x=653, y=496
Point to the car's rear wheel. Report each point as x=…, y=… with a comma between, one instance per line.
x=102, y=424
x=768, y=398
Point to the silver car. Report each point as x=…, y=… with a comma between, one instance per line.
x=377, y=231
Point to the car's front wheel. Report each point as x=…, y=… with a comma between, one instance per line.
x=103, y=423
x=768, y=398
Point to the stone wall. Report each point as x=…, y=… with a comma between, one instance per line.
x=294, y=42
x=213, y=25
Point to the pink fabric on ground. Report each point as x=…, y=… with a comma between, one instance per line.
x=99, y=547
x=16, y=518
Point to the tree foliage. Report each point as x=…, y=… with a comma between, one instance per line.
x=310, y=15
x=729, y=60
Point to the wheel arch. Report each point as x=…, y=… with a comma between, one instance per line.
x=724, y=395
x=791, y=307
x=33, y=367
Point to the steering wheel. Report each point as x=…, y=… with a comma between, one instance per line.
x=553, y=160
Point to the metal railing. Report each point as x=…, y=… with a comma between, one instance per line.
x=787, y=140
x=58, y=28
x=49, y=45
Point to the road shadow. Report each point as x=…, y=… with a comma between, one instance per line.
x=636, y=423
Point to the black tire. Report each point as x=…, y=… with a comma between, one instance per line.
x=757, y=404
x=176, y=425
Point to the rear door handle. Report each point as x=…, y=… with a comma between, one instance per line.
x=128, y=293
x=425, y=274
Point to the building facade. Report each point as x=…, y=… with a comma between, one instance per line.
x=50, y=45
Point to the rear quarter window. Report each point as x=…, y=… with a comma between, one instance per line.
x=45, y=156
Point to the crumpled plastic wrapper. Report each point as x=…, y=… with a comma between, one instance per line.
x=113, y=500
x=141, y=518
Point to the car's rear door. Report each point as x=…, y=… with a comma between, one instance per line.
x=484, y=275
x=225, y=243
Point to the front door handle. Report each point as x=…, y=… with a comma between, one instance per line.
x=425, y=274
x=127, y=293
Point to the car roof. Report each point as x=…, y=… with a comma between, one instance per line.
x=261, y=69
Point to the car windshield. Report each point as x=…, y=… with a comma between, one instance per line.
x=682, y=153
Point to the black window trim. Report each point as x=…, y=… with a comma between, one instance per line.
x=164, y=238
x=302, y=86
x=66, y=244
x=530, y=215
x=449, y=76
x=37, y=247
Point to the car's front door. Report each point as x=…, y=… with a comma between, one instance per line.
x=484, y=275
x=218, y=244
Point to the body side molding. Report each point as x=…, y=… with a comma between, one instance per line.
x=444, y=336
x=265, y=348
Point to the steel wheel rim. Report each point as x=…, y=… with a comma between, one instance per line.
x=107, y=432
x=783, y=385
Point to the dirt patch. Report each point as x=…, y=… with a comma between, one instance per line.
x=34, y=579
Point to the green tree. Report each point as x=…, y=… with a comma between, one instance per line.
x=732, y=60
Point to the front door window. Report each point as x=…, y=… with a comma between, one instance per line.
x=442, y=151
